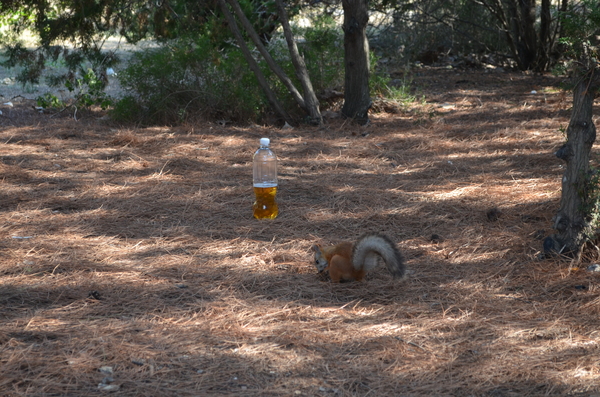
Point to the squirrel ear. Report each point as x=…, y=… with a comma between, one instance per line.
x=316, y=247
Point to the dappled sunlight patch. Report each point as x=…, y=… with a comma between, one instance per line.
x=458, y=192
x=125, y=138
x=234, y=142
x=321, y=216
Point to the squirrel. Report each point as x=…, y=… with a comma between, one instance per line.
x=347, y=261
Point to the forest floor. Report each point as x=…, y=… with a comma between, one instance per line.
x=130, y=261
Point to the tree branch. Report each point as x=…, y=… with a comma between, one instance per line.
x=263, y=51
x=254, y=65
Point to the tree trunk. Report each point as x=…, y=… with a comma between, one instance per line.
x=528, y=35
x=357, y=99
x=572, y=222
x=546, y=36
x=521, y=15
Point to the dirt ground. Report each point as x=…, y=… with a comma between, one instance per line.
x=131, y=265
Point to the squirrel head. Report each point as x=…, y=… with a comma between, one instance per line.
x=320, y=260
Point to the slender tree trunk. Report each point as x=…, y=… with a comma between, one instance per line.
x=572, y=222
x=263, y=51
x=308, y=102
x=528, y=35
x=546, y=37
x=357, y=99
x=262, y=81
x=564, y=5
x=310, y=98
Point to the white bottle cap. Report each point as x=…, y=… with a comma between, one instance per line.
x=265, y=141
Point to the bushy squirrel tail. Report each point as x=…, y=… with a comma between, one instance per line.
x=370, y=247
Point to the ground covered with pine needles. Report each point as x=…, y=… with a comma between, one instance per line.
x=130, y=262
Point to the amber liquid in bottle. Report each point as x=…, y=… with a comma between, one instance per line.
x=265, y=206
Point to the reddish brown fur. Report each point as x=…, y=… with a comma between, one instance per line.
x=340, y=263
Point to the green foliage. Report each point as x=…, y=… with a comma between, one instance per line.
x=402, y=93
x=380, y=85
x=83, y=23
x=580, y=40
x=127, y=109
x=321, y=46
x=32, y=60
x=378, y=80
x=89, y=89
x=323, y=52
x=581, y=23
x=590, y=197
x=86, y=24
x=195, y=79
x=186, y=79
x=196, y=73
x=50, y=101
x=84, y=71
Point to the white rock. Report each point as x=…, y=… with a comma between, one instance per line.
x=594, y=268
x=105, y=387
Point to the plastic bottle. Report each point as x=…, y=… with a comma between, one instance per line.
x=265, y=181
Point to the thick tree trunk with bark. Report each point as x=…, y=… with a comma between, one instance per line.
x=572, y=222
x=357, y=99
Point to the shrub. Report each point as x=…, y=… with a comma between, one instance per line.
x=324, y=53
x=186, y=79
